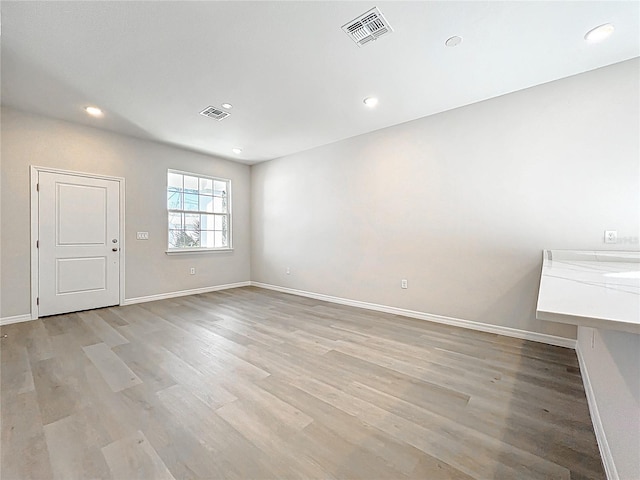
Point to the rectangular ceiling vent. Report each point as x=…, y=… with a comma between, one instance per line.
x=367, y=27
x=213, y=112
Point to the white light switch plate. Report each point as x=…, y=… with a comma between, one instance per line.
x=142, y=236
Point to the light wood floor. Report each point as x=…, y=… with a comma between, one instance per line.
x=248, y=383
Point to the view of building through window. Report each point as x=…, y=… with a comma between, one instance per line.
x=198, y=211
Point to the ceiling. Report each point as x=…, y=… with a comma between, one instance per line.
x=294, y=78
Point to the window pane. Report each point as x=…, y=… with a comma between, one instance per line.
x=206, y=222
x=207, y=239
x=190, y=183
x=182, y=239
x=219, y=205
x=190, y=201
x=206, y=186
x=206, y=203
x=220, y=189
x=174, y=180
x=220, y=240
x=175, y=221
x=218, y=222
x=174, y=191
x=172, y=239
x=193, y=239
x=192, y=221
x=174, y=199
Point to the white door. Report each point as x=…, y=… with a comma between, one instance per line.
x=79, y=243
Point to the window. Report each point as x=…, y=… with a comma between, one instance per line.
x=199, y=212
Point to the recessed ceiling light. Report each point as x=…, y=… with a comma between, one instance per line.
x=236, y=150
x=227, y=106
x=94, y=111
x=599, y=33
x=370, y=101
x=453, y=41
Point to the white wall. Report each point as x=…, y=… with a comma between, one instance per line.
x=31, y=140
x=461, y=203
x=613, y=369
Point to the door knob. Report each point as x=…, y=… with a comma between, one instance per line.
x=115, y=240
x=114, y=249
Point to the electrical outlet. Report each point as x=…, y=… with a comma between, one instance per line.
x=288, y=271
x=142, y=235
x=611, y=236
x=192, y=271
x=404, y=283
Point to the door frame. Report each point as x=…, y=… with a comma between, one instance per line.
x=35, y=272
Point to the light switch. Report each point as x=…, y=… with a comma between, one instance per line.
x=142, y=236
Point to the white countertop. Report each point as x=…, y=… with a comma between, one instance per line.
x=593, y=289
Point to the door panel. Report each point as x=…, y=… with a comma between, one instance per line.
x=81, y=213
x=81, y=274
x=79, y=237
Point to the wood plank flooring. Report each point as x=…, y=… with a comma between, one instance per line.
x=249, y=383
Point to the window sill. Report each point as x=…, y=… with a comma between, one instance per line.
x=186, y=251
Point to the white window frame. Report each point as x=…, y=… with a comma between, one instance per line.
x=181, y=251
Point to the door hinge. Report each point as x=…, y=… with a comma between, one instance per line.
x=37, y=187
x=37, y=300
x=37, y=243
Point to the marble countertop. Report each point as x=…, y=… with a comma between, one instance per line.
x=591, y=288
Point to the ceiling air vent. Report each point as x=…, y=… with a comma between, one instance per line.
x=214, y=112
x=367, y=27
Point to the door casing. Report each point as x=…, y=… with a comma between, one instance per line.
x=35, y=274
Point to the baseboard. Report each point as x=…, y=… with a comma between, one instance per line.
x=182, y=293
x=603, y=444
x=150, y=298
x=457, y=322
x=15, y=319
